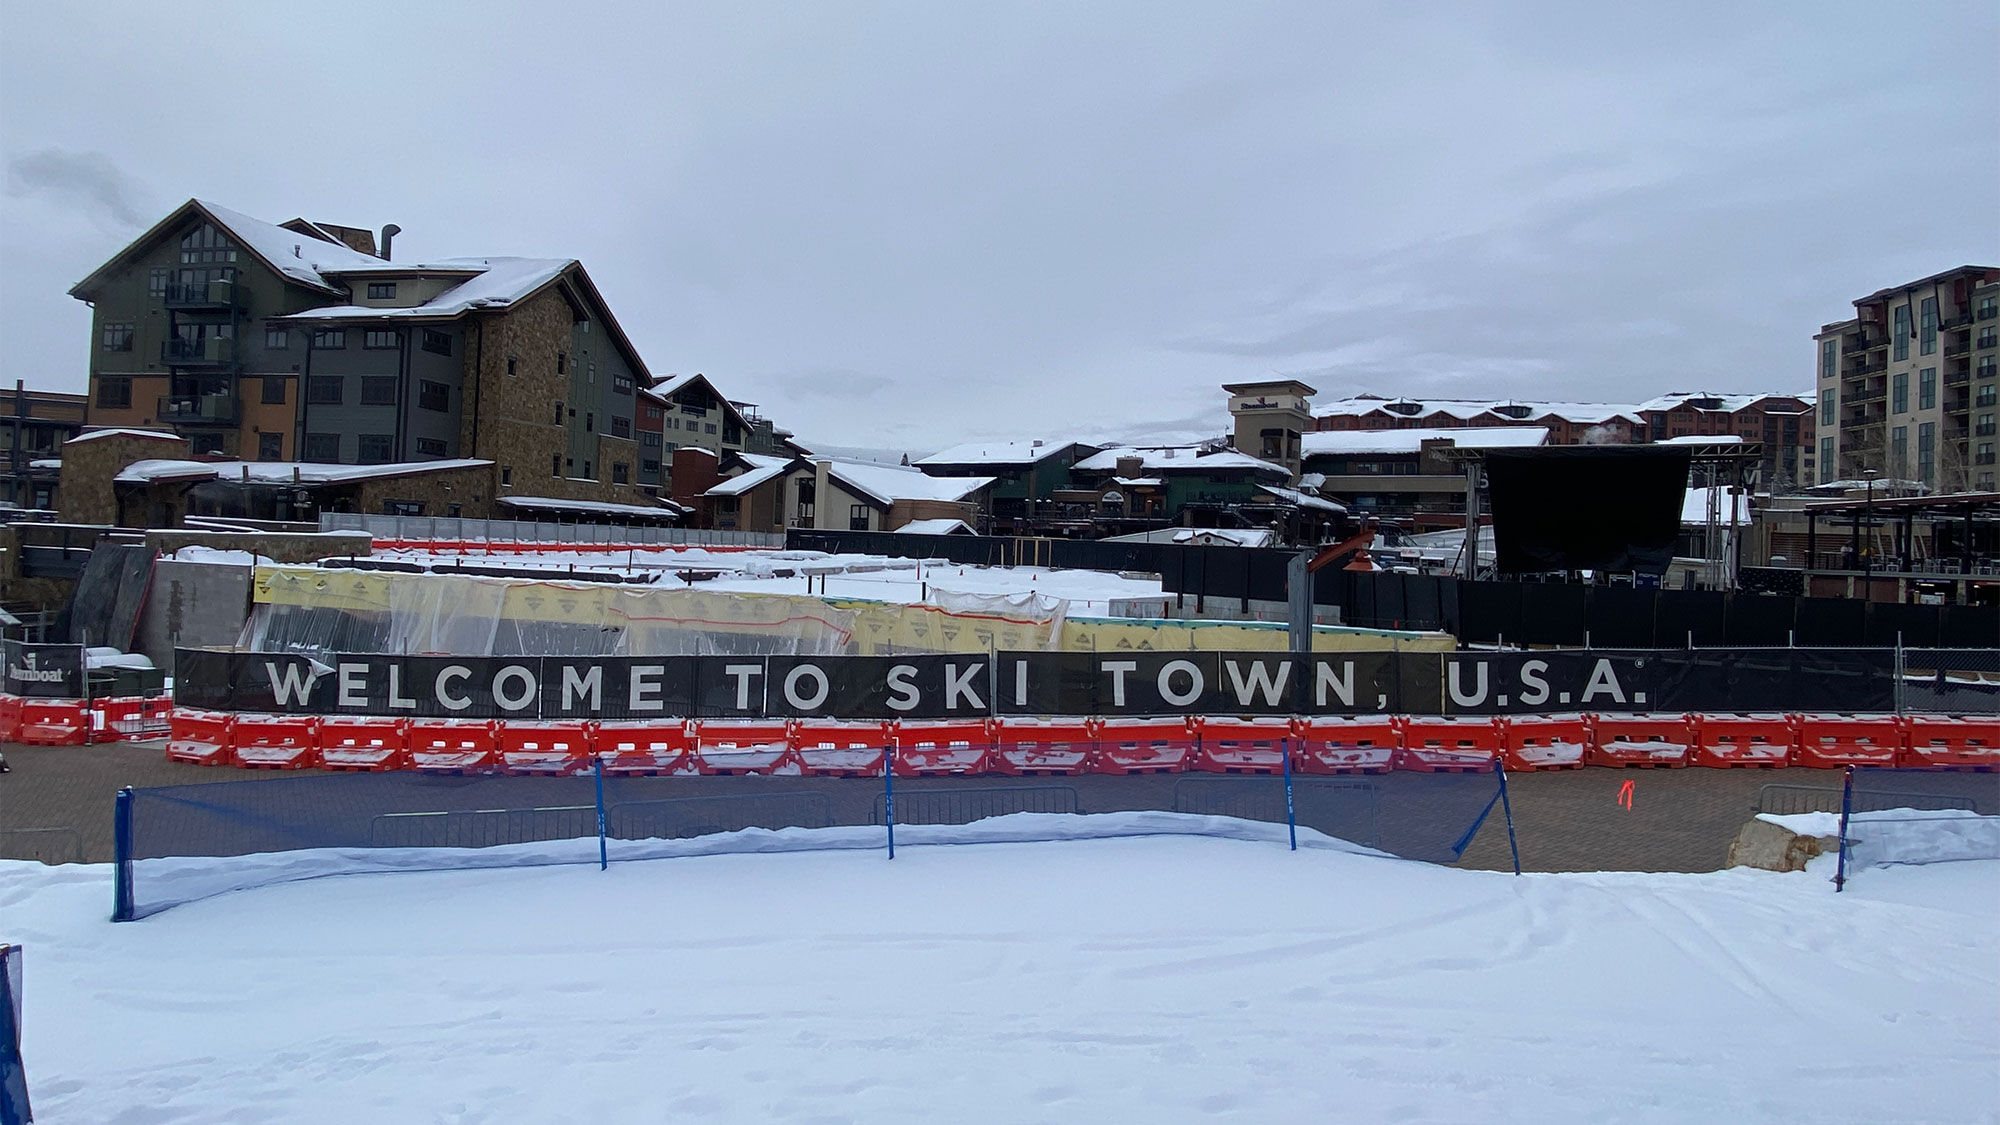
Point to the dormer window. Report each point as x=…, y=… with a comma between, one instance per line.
x=1513, y=410
x=381, y=290
x=1404, y=408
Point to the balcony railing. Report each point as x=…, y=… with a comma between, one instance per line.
x=1959, y=348
x=220, y=293
x=1984, y=429
x=1959, y=321
x=1864, y=394
x=206, y=352
x=214, y=410
x=1864, y=367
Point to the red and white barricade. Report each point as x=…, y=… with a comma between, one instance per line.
x=831, y=748
x=1834, y=741
x=942, y=747
x=1650, y=741
x=276, y=742
x=1143, y=746
x=1743, y=741
x=1556, y=742
x=649, y=748
x=1336, y=745
x=52, y=722
x=457, y=746
x=1939, y=741
x=1241, y=745
x=1042, y=747
x=10, y=716
x=1440, y=745
x=201, y=738
x=741, y=747
x=360, y=742
x=538, y=746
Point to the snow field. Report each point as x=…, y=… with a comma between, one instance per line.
x=1153, y=979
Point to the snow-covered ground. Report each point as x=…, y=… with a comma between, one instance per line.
x=1152, y=979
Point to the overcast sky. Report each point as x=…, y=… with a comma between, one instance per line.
x=905, y=226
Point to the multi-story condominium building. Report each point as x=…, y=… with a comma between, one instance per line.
x=32, y=430
x=1907, y=387
x=1783, y=423
x=1568, y=423
x=295, y=342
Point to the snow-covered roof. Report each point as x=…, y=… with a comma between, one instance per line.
x=153, y=471
x=299, y=257
x=123, y=431
x=1702, y=439
x=1179, y=459
x=890, y=483
x=996, y=453
x=935, y=527
x=498, y=283
x=1465, y=409
x=762, y=468
x=46, y=463
x=1303, y=499
x=1215, y=536
x=1340, y=443
x=1725, y=403
x=601, y=507
x=1140, y=482
x=1694, y=507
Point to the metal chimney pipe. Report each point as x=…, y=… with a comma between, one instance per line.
x=389, y=234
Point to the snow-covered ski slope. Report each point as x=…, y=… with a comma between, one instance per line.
x=1153, y=979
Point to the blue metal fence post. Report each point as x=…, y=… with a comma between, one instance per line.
x=1846, y=806
x=1507, y=810
x=889, y=791
x=1291, y=813
x=603, y=849
x=121, y=842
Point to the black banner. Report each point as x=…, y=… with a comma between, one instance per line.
x=1013, y=683
x=37, y=671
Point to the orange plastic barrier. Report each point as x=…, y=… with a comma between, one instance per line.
x=544, y=746
x=1743, y=741
x=1142, y=746
x=364, y=742
x=52, y=722
x=276, y=742
x=201, y=738
x=10, y=716
x=1833, y=741
x=1333, y=745
x=647, y=749
x=732, y=747
x=1437, y=745
x=1241, y=745
x=940, y=747
x=1651, y=741
x=129, y=718
x=1960, y=743
x=452, y=745
x=831, y=748
x=1037, y=747
x=1544, y=743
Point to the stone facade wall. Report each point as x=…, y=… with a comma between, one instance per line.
x=909, y=511
x=472, y=489
x=86, y=492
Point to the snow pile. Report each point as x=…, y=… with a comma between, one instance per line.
x=1877, y=839
x=218, y=557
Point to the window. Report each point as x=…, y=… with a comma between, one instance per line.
x=381, y=338
x=330, y=338
x=621, y=427
x=1989, y=307
x=1900, y=334
x=559, y=413
x=652, y=412
x=620, y=472
x=1827, y=407
x=381, y=290
x=378, y=390
x=710, y=427
x=588, y=474
x=430, y=447
x=1826, y=465
x=438, y=342
x=1927, y=388
x=589, y=422
x=277, y=337
x=402, y=507
x=205, y=443
x=591, y=377
x=156, y=282
x=507, y=476
x=1829, y=359
x=1983, y=453
x=114, y=392
x=1987, y=338
x=1899, y=393
x=622, y=384
x=649, y=440
x=1985, y=396
x=274, y=390
x=323, y=447
x=562, y=362
x=1987, y=366
x=510, y=365
x=433, y=395
x=857, y=518
x=649, y=467
x=205, y=245
x=270, y=447
x=325, y=390
x=1927, y=452
x=118, y=336
x=1929, y=319
x=1984, y=427
x=1899, y=451
x=555, y=464
x=694, y=411
x=376, y=448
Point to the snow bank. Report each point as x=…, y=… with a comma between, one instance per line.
x=1877, y=839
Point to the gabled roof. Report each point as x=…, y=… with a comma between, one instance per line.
x=302, y=259
x=282, y=472
x=1729, y=404
x=491, y=283
x=885, y=484
x=997, y=453
x=1343, y=443
x=761, y=469
x=1155, y=459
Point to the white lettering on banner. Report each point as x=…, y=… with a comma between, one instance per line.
x=956, y=685
x=1020, y=683
x=292, y=685
x=1458, y=695
x=1342, y=684
x=514, y=702
x=396, y=696
x=1259, y=681
x=741, y=673
x=645, y=695
x=445, y=677
x=792, y=695
x=576, y=685
x=1603, y=679
x=1533, y=679
x=902, y=694
x=354, y=685
x=1195, y=684
x=1118, y=668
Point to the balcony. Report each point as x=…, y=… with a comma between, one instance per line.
x=1862, y=340
x=1959, y=348
x=1984, y=429
x=208, y=351
x=1860, y=416
x=1864, y=367
x=1959, y=321
x=220, y=294
x=198, y=410
x=1864, y=394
